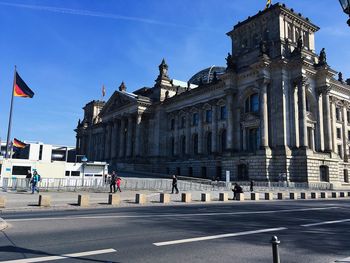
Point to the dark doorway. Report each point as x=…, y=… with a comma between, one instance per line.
x=242, y=172
x=218, y=172
x=204, y=172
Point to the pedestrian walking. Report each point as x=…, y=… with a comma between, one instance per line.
x=119, y=180
x=174, y=185
x=237, y=189
x=112, y=182
x=28, y=178
x=35, y=181
x=251, y=185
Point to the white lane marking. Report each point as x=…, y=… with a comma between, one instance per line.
x=50, y=258
x=344, y=260
x=171, y=215
x=326, y=223
x=180, y=241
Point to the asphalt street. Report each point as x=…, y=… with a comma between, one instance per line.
x=309, y=230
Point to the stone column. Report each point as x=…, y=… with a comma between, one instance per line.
x=302, y=112
x=264, y=124
x=188, y=133
x=229, y=103
x=334, y=127
x=200, y=131
x=295, y=109
x=176, y=135
x=312, y=146
x=328, y=142
x=320, y=133
x=122, y=137
x=237, y=128
x=138, y=131
x=129, y=137
x=345, y=131
x=214, y=129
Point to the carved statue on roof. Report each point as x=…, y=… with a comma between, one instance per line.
x=340, y=77
x=263, y=47
x=122, y=87
x=163, y=69
x=300, y=43
x=322, y=59
x=229, y=61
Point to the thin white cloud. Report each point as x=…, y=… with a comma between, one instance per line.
x=82, y=12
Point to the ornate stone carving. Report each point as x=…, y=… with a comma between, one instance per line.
x=323, y=90
x=300, y=81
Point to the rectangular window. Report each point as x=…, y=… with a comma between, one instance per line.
x=348, y=135
x=67, y=173
x=223, y=113
x=75, y=173
x=340, y=152
x=41, y=152
x=208, y=116
x=348, y=116
x=20, y=170
x=338, y=133
x=195, y=119
x=346, y=176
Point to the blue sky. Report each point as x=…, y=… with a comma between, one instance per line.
x=67, y=49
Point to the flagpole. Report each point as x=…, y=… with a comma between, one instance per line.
x=10, y=117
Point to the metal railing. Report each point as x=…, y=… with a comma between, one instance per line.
x=99, y=184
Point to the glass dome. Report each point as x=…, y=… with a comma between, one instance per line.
x=207, y=75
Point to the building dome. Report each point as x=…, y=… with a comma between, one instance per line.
x=206, y=75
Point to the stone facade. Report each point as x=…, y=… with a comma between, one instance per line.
x=276, y=112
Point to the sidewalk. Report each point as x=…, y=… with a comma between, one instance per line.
x=25, y=201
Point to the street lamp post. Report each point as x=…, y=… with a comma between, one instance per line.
x=345, y=4
x=84, y=161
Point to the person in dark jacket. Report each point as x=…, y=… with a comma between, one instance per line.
x=28, y=179
x=251, y=185
x=237, y=189
x=35, y=181
x=174, y=185
x=113, y=181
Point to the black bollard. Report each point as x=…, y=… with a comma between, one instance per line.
x=275, y=254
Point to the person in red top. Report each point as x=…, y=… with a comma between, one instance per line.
x=118, y=184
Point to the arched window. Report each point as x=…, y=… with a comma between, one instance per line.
x=209, y=146
x=172, y=146
x=324, y=173
x=223, y=140
x=183, y=145
x=252, y=103
x=195, y=143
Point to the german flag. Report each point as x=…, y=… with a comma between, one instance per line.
x=268, y=4
x=18, y=144
x=20, y=88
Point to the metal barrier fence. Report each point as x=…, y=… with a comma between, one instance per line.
x=99, y=184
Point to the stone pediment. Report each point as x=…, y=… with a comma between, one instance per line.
x=117, y=101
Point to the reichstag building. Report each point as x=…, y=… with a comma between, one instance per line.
x=276, y=108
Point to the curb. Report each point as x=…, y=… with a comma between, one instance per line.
x=3, y=224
